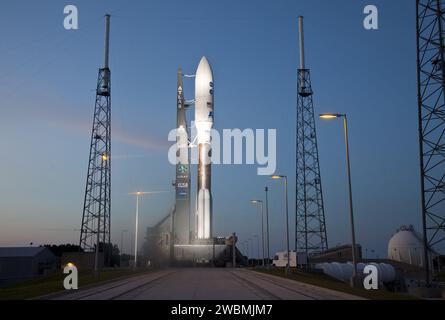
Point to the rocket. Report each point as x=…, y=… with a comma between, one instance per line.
x=204, y=90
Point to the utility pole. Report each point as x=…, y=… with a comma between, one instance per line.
x=234, y=250
x=266, y=189
x=122, y=246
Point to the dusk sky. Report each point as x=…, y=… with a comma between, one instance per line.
x=47, y=89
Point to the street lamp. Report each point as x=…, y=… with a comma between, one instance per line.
x=259, y=202
x=258, y=247
x=251, y=248
x=266, y=189
x=278, y=177
x=351, y=210
x=139, y=194
x=247, y=251
x=122, y=246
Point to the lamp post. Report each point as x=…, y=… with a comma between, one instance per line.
x=122, y=246
x=278, y=177
x=247, y=251
x=351, y=210
x=266, y=189
x=259, y=202
x=138, y=195
x=251, y=248
x=258, y=247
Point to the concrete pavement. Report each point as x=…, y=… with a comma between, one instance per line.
x=206, y=284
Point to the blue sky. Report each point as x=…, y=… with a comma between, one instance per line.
x=48, y=76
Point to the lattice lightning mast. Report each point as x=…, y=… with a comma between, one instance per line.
x=310, y=234
x=431, y=108
x=96, y=218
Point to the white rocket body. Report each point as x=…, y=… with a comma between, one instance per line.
x=204, y=90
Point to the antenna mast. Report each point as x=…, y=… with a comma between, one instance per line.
x=95, y=232
x=310, y=231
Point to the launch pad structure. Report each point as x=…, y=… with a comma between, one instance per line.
x=310, y=231
x=96, y=217
x=173, y=241
x=431, y=117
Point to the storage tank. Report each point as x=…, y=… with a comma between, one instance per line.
x=343, y=271
x=406, y=246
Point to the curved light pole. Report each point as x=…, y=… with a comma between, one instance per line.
x=139, y=194
x=247, y=251
x=259, y=202
x=255, y=236
x=278, y=177
x=266, y=189
x=122, y=246
x=251, y=248
x=351, y=210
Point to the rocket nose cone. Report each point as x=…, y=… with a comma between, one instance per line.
x=204, y=90
x=204, y=69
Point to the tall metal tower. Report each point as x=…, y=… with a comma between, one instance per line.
x=96, y=218
x=431, y=103
x=310, y=232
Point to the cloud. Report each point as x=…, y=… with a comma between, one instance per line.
x=140, y=141
x=43, y=104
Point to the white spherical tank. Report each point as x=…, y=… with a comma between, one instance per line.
x=406, y=246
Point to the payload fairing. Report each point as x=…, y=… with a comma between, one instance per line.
x=204, y=91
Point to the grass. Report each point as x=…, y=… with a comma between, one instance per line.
x=330, y=283
x=54, y=283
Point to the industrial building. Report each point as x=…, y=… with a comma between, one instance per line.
x=337, y=254
x=21, y=264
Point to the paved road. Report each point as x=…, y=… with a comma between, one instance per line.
x=206, y=284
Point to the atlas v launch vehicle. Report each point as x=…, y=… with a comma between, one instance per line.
x=204, y=123
x=199, y=247
x=204, y=90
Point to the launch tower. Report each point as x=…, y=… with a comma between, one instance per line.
x=431, y=110
x=96, y=217
x=310, y=232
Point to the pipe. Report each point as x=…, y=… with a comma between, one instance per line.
x=107, y=40
x=301, y=32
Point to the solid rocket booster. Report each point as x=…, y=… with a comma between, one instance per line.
x=204, y=90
